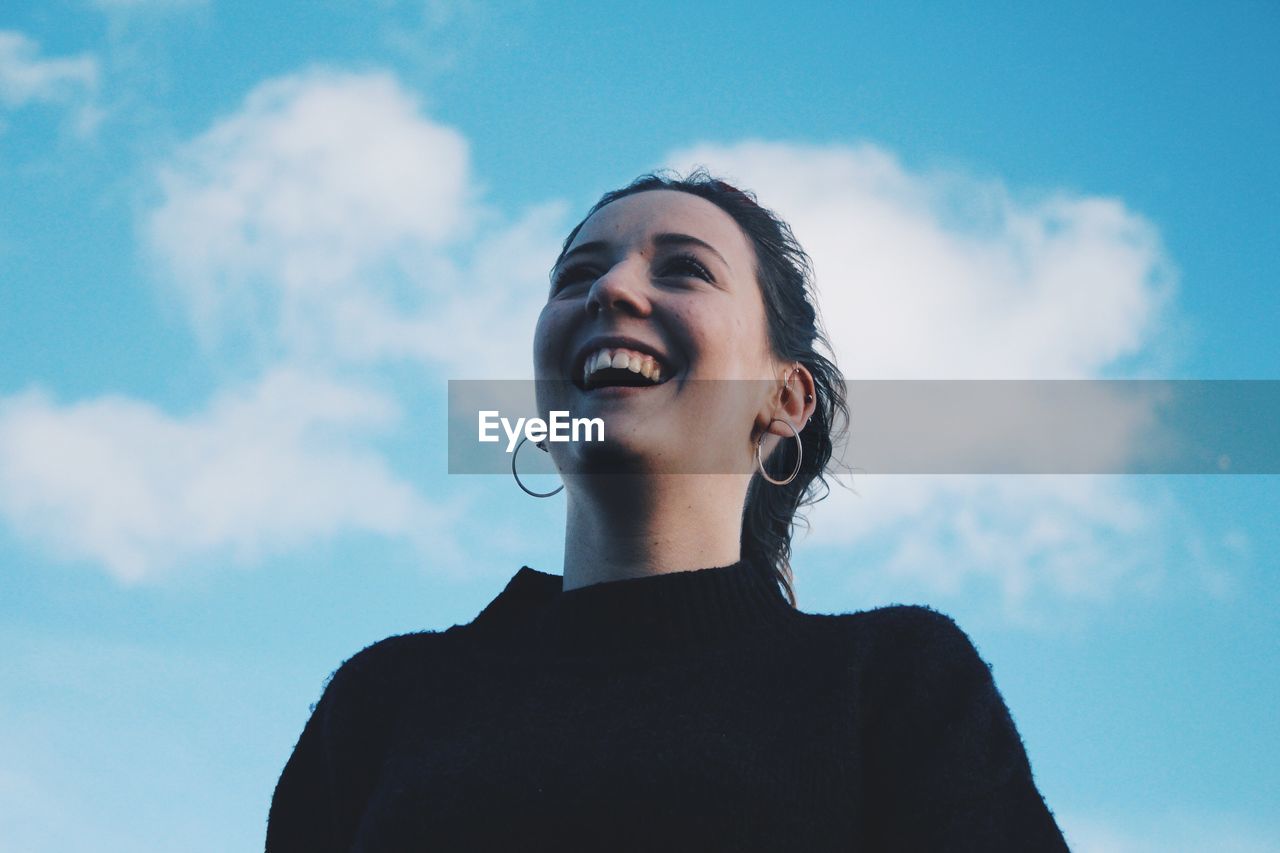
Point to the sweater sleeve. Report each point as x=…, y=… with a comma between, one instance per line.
x=947, y=769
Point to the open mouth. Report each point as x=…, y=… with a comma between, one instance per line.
x=620, y=367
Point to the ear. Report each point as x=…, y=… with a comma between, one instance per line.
x=794, y=402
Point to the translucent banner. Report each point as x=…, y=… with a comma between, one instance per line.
x=895, y=426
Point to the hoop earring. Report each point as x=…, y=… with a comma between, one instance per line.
x=527, y=490
x=799, y=454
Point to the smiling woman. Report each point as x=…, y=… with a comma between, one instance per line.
x=664, y=692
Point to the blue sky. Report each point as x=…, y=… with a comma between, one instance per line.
x=243, y=247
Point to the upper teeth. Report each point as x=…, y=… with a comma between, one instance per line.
x=623, y=359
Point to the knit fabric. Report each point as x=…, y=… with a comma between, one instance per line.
x=684, y=711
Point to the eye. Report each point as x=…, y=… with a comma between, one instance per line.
x=687, y=265
x=577, y=274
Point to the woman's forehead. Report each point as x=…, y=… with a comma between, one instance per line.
x=633, y=221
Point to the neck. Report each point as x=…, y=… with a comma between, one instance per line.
x=622, y=527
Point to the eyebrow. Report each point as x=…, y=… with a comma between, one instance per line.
x=687, y=240
x=665, y=239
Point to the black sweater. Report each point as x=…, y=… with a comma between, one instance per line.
x=686, y=711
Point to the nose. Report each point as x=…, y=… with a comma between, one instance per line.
x=622, y=288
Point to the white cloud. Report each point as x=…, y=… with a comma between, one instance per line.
x=336, y=220
x=262, y=468
x=27, y=78
x=943, y=276
x=335, y=225
x=1021, y=545
x=317, y=179
x=474, y=319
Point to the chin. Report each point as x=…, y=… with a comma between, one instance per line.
x=613, y=456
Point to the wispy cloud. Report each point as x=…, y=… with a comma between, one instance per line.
x=335, y=219
x=1023, y=546
x=68, y=82
x=262, y=468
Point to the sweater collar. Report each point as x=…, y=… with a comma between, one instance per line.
x=638, y=615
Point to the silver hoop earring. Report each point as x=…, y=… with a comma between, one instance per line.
x=799, y=454
x=514, y=473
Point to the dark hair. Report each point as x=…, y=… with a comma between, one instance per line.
x=785, y=275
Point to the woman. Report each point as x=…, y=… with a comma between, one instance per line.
x=665, y=693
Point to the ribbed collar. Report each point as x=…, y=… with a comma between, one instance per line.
x=641, y=615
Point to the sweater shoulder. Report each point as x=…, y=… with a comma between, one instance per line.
x=903, y=640
x=917, y=626
x=905, y=625
x=397, y=648
x=391, y=661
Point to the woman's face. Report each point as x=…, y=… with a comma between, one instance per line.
x=656, y=295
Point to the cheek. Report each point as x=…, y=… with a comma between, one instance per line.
x=734, y=343
x=752, y=334
x=548, y=335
